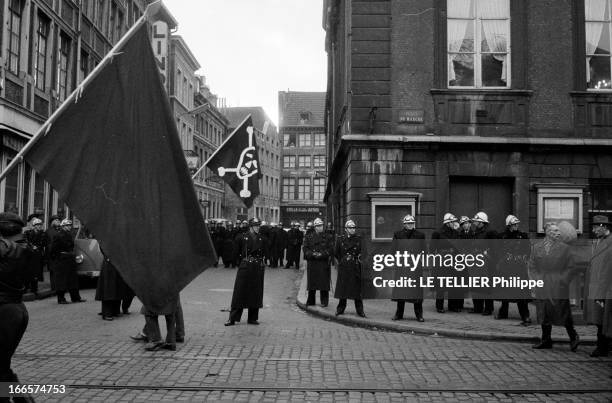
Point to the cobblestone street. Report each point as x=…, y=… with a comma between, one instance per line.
x=290, y=356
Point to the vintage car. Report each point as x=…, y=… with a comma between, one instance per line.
x=88, y=254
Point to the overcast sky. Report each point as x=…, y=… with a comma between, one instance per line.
x=251, y=49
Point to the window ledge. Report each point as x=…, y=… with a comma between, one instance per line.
x=597, y=94
x=480, y=91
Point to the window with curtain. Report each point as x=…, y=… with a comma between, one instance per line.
x=478, y=43
x=598, y=30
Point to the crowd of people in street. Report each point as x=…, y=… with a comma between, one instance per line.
x=253, y=245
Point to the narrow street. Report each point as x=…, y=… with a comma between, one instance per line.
x=290, y=356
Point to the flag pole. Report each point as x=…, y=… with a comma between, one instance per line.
x=150, y=11
x=221, y=146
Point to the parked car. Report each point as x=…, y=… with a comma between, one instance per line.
x=89, y=256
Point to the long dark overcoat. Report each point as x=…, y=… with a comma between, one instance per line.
x=63, y=265
x=317, y=250
x=348, y=251
x=417, y=244
x=295, y=237
x=598, y=286
x=37, y=243
x=228, y=250
x=111, y=286
x=249, y=283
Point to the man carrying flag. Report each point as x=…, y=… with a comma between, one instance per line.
x=129, y=182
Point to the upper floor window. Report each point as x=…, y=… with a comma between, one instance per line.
x=289, y=140
x=40, y=63
x=288, y=188
x=598, y=27
x=318, y=185
x=63, y=71
x=14, y=31
x=319, y=140
x=478, y=43
x=304, y=161
x=304, y=140
x=318, y=161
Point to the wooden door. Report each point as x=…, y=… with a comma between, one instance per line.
x=493, y=196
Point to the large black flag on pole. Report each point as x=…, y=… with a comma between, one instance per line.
x=237, y=162
x=113, y=154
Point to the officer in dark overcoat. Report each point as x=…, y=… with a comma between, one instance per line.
x=265, y=231
x=228, y=250
x=480, y=233
x=348, y=251
x=441, y=244
x=275, y=244
x=281, y=237
x=14, y=275
x=111, y=290
x=37, y=242
x=295, y=237
x=63, y=264
x=249, y=284
x=217, y=236
x=317, y=250
x=513, y=262
x=331, y=234
x=418, y=245
x=598, y=285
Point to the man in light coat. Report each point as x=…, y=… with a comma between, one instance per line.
x=552, y=262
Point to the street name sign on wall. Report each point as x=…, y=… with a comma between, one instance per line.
x=411, y=116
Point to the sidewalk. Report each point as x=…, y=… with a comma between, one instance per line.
x=450, y=324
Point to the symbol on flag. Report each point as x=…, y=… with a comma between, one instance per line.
x=238, y=154
x=247, y=166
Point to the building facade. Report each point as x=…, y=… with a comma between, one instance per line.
x=211, y=128
x=462, y=106
x=304, y=160
x=200, y=125
x=47, y=47
x=267, y=205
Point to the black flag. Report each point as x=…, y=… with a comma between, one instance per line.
x=237, y=162
x=127, y=178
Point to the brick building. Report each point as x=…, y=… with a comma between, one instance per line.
x=304, y=169
x=450, y=105
x=266, y=206
x=47, y=47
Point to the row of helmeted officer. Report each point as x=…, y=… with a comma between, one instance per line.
x=283, y=247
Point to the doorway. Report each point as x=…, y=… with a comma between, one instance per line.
x=469, y=195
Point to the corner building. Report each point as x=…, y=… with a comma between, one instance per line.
x=503, y=106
